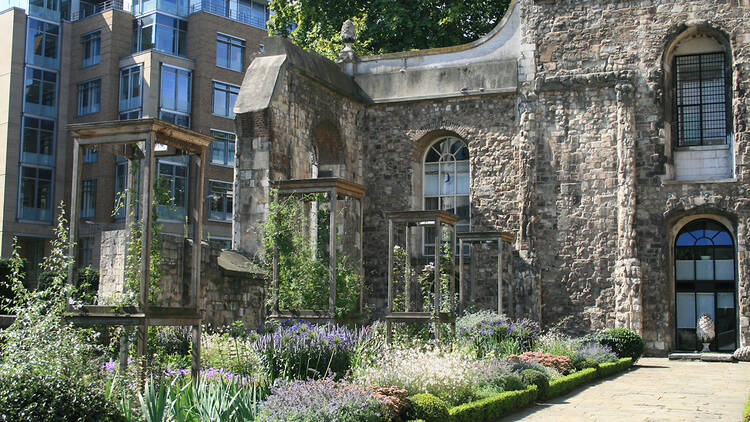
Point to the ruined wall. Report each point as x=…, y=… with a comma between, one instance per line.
x=228, y=296
x=607, y=201
x=396, y=137
x=280, y=141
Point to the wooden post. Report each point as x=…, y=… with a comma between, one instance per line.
x=75, y=209
x=332, y=256
x=452, y=289
x=361, y=258
x=407, y=271
x=460, y=275
x=124, y=344
x=389, y=336
x=196, y=274
x=499, y=276
x=147, y=192
x=438, y=238
x=511, y=283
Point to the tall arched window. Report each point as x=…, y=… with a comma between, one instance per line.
x=698, y=105
x=446, y=184
x=705, y=283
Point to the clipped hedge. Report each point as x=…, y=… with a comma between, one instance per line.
x=562, y=385
x=609, y=368
x=495, y=407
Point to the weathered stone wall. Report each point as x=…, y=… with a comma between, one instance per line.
x=604, y=158
x=578, y=163
x=281, y=146
x=228, y=296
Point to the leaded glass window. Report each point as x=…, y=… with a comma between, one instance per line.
x=446, y=184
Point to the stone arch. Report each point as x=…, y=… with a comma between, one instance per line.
x=721, y=292
x=328, y=151
x=695, y=37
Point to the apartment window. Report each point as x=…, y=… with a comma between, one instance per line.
x=130, y=93
x=702, y=99
x=173, y=178
x=35, y=202
x=252, y=13
x=176, y=91
x=446, y=184
x=121, y=183
x=38, y=141
x=224, y=97
x=47, y=9
x=88, y=198
x=173, y=7
x=42, y=43
x=222, y=148
x=40, y=92
x=222, y=196
x=85, y=251
x=91, y=44
x=89, y=97
x=161, y=32
x=90, y=156
x=220, y=242
x=229, y=52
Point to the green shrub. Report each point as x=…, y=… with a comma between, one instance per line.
x=512, y=382
x=428, y=407
x=623, y=342
x=494, y=407
x=37, y=397
x=585, y=363
x=538, y=378
x=609, y=368
x=563, y=385
x=746, y=412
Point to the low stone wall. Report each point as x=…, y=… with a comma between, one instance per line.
x=230, y=290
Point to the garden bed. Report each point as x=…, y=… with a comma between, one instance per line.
x=508, y=402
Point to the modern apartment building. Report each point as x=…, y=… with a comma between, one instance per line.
x=74, y=61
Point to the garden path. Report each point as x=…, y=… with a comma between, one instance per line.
x=655, y=389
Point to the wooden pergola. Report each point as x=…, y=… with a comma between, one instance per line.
x=336, y=188
x=482, y=237
x=136, y=140
x=436, y=219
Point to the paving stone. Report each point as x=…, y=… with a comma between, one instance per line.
x=656, y=389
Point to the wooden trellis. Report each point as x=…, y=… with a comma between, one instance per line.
x=337, y=189
x=424, y=219
x=136, y=140
x=471, y=238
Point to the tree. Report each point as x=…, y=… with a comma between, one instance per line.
x=384, y=26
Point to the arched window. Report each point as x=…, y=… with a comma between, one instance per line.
x=446, y=183
x=698, y=100
x=705, y=283
x=702, y=107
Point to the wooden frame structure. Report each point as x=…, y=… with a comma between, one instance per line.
x=136, y=140
x=336, y=188
x=483, y=237
x=422, y=219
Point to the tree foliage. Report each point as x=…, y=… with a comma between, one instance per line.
x=384, y=26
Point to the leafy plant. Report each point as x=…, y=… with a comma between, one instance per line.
x=303, y=260
x=538, y=378
x=562, y=364
x=427, y=407
x=488, y=333
x=623, y=342
x=46, y=370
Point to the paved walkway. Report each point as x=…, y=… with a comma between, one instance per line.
x=655, y=389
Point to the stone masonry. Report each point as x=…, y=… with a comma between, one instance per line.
x=567, y=110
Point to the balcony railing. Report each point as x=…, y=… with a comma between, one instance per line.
x=89, y=9
x=257, y=20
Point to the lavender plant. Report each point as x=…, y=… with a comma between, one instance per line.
x=322, y=401
x=305, y=350
x=488, y=333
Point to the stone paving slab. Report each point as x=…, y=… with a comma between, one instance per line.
x=654, y=390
